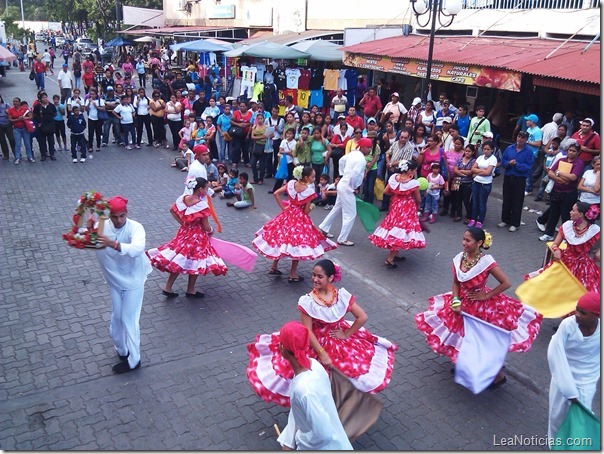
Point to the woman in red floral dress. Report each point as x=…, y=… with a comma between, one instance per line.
x=442, y=323
x=190, y=251
x=580, y=234
x=363, y=357
x=401, y=228
x=292, y=233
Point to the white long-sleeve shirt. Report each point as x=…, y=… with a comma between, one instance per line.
x=126, y=269
x=313, y=422
x=574, y=360
x=352, y=169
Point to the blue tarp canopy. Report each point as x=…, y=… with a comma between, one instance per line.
x=200, y=45
x=118, y=41
x=320, y=50
x=267, y=49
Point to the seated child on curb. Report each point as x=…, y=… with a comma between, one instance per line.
x=212, y=171
x=186, y=157
x=245, y=196
x=322, y=190
x=331, y=193
x=223, y=176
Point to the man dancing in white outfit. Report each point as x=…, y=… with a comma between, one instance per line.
x=352, y=169
x=574, y=360
x=313, y=422
x=125, y=266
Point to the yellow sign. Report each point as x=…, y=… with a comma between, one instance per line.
x=501, y=79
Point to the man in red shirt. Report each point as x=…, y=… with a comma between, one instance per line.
x=370, y=103
x=588, y=140
x=39, y=69
x=240, y=146
x=354, y=120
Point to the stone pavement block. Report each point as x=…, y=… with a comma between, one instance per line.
x=192, y=392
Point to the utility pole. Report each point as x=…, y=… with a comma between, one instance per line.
x=117, y=15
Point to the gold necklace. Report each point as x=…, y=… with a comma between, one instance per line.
x=578, y=231
x=324, y=302
x=469, y=264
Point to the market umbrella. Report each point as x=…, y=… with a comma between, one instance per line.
x=320, y=50
x=6, y=55
x=118, y=41
x=266, y=49
x=145, y=39
x=201, y=45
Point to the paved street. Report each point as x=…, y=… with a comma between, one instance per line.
x=57, y=388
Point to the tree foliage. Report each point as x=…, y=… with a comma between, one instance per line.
x=96, y=18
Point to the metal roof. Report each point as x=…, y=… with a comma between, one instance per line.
x=530, y=55
x=290, y=38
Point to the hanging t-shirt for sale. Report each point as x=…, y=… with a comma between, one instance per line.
x=291, y=92
x=316, y=79
x=303, y=98
x=342, y=82
x=248, y=75
x=316, y=98
x=331, y=79
x=304, y=80
x=280, y=78
x=292, y=77
x=261, y=70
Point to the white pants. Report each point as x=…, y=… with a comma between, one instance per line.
x=124, y=327
x=559, y=405
x=346, y=204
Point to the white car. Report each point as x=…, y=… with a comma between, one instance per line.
x=59, y=41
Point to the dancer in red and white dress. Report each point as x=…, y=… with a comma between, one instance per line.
x=442, y=323
x=292, y=233
x=363, y=357
x=580, y=234
x=190, y=251
x=401, y=228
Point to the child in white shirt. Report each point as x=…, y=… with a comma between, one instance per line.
x=436, y=183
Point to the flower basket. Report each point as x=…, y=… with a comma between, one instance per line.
x=88, y=221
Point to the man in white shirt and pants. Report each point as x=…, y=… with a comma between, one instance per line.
x=574, y=360
x=313, y=422
x=352, y=169
x=65, y=83
x=125, y=267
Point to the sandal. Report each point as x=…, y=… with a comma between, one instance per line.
x=169, y=294
x=457, y=219
x=195, y=295
x=399, y=259
x=390, y=264
x=291, y=280
x=275, y=272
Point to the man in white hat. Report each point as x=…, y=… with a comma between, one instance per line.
x=416, y=109
x=396, y=109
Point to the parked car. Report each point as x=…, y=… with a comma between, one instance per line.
x=59, y=41
x=40, y=37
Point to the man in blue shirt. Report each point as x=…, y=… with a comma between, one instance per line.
x=517, y=160
x=535, y=136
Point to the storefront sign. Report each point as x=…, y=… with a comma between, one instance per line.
x=220, y=11
x=448, y=72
